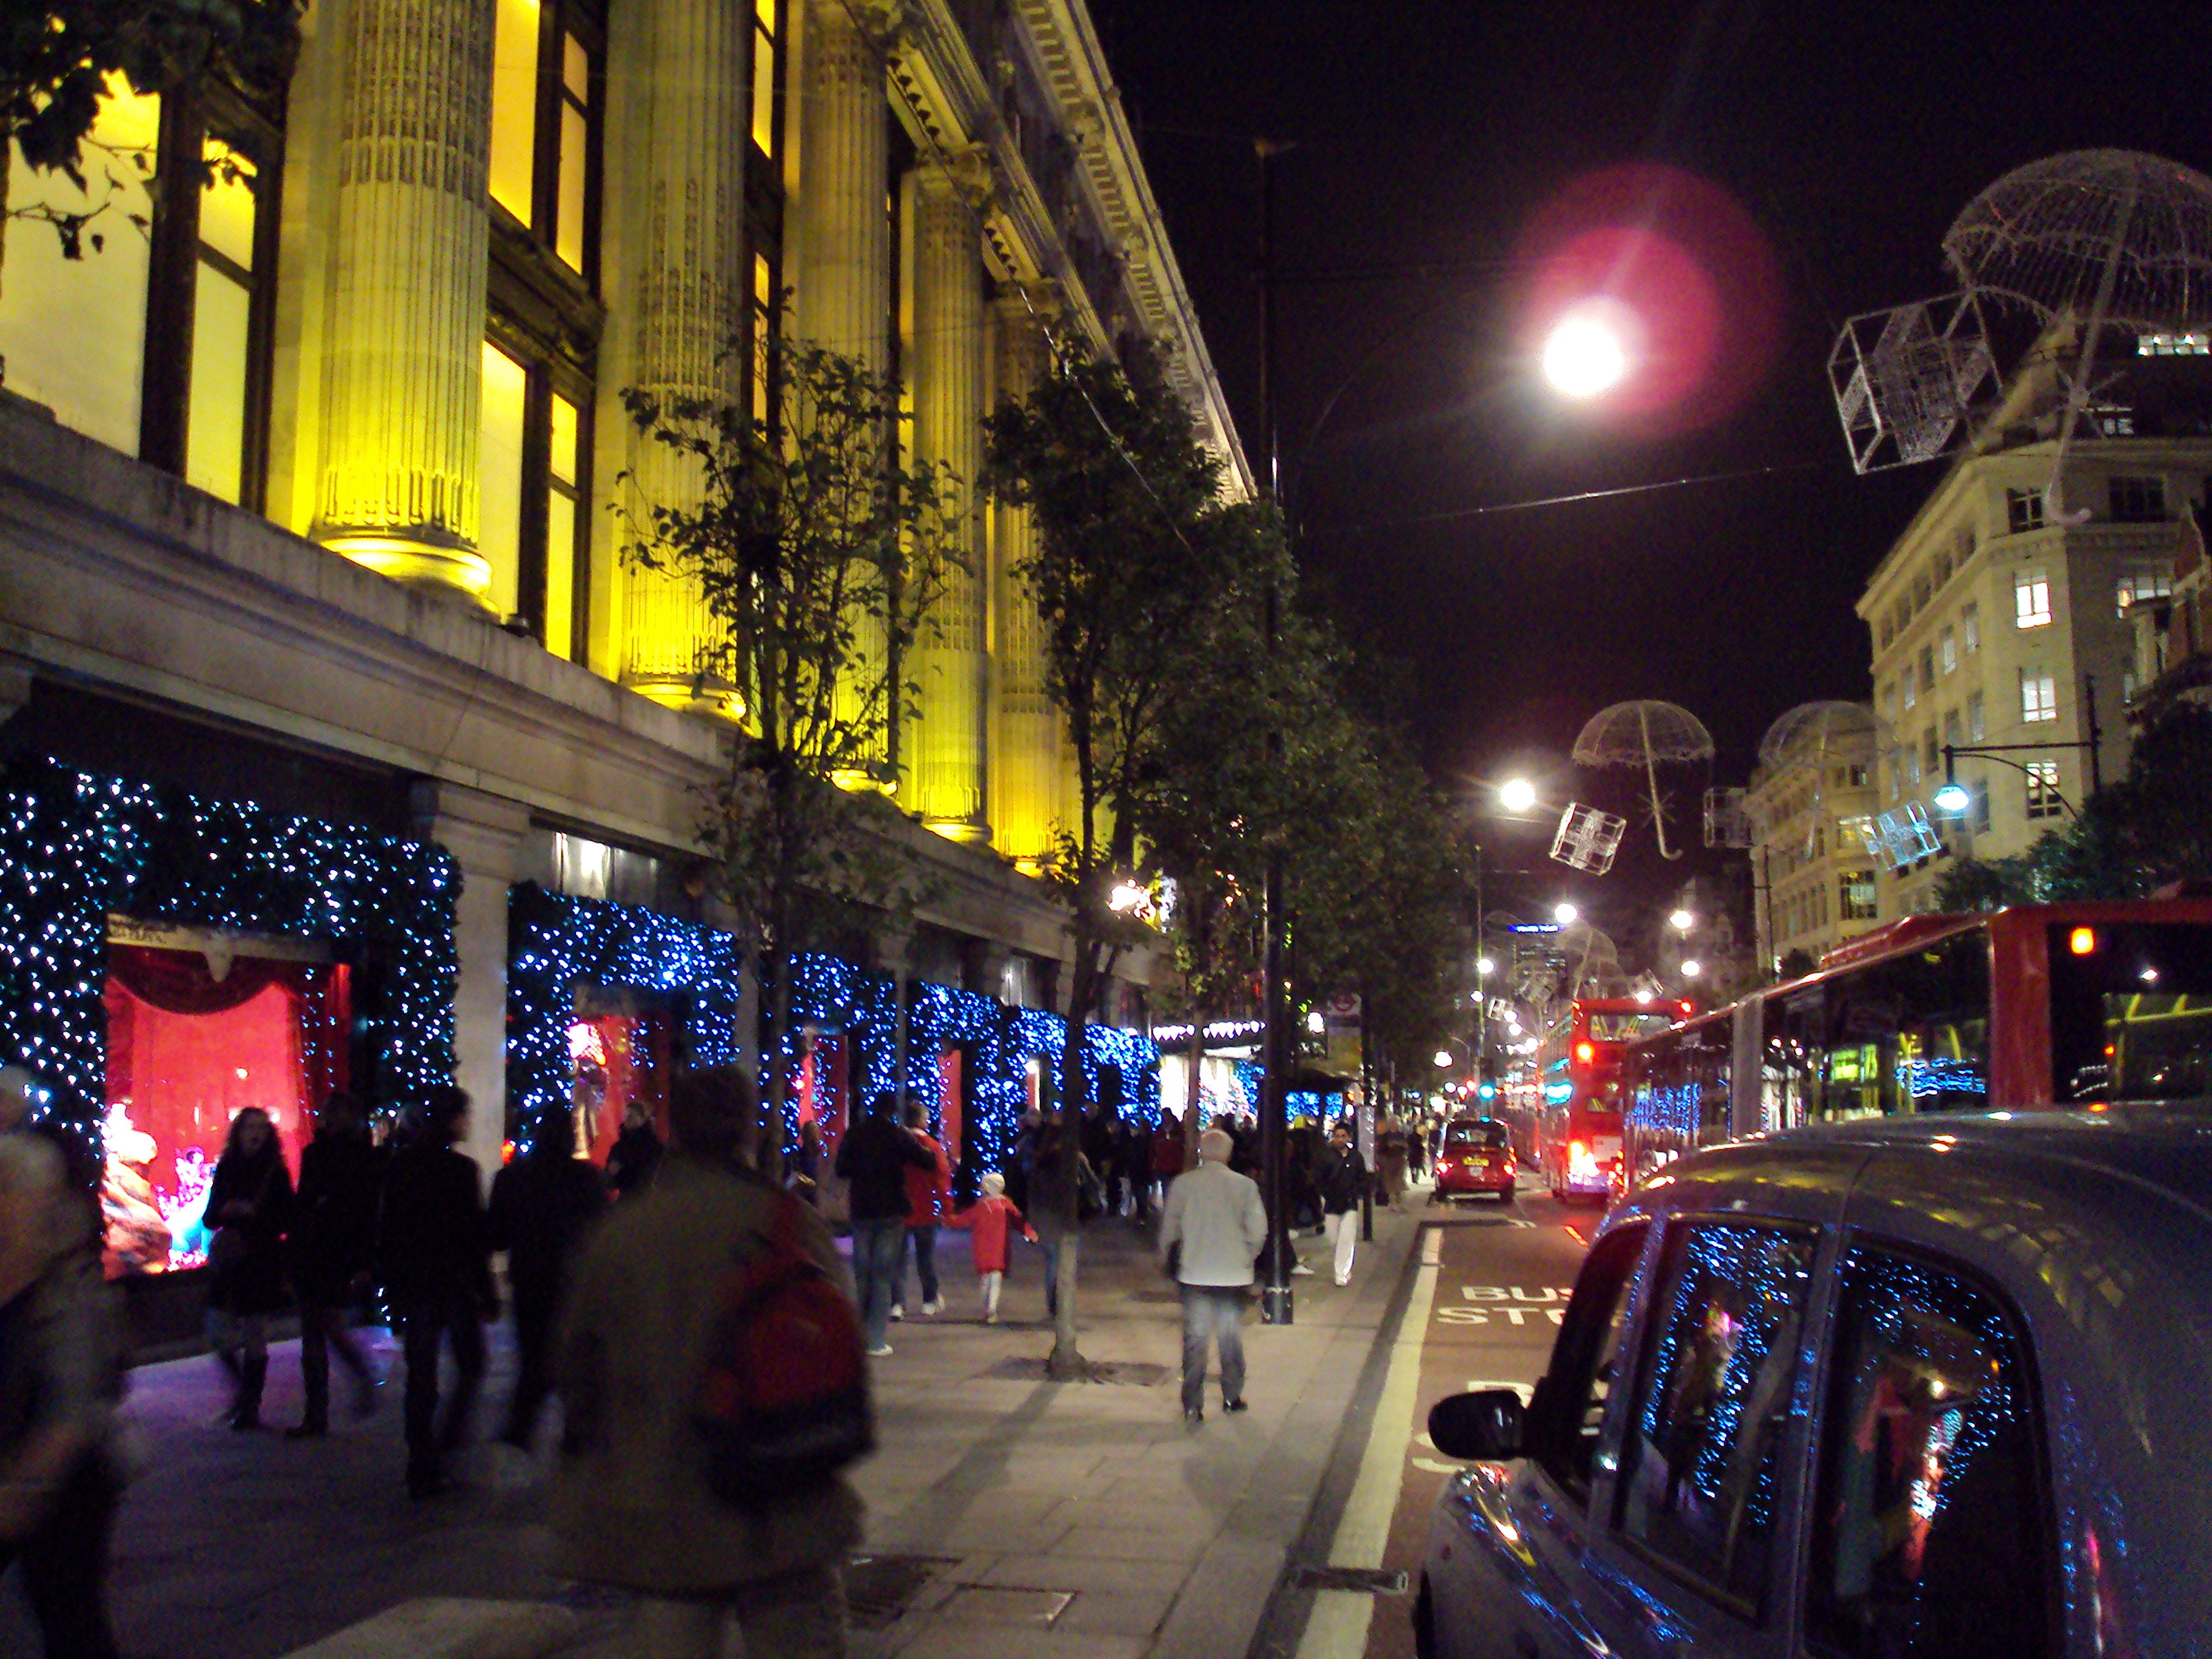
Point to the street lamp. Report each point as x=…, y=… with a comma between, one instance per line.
x=1952, y=798
x=1443, y=1059
x=1692, y=968
x=1315, y=1022
x=1485, y=967
x=1681, y=921
x=1517, y=795
x=1585, y=356
x=1566, y=914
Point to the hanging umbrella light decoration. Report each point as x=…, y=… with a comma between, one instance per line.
x=1645, y=735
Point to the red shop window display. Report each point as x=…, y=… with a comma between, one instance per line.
x=195, y=1036
x=620, y=1059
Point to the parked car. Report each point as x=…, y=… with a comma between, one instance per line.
x=1476, y=1156
x=1925, y=1387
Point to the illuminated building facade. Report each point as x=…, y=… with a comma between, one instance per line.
x=309, y=491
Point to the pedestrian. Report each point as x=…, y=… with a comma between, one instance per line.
x=433, y=1256
x=1137, y=1169
x=542, y=1205
x=1211, y=1231
x=636, y=1151
x=1098, y=1151
x=632, y=1506
x=61, y=1380
x=991, y=1217
x=806, y=1162
x=333, y=1237
x=1167, y=1152
x=928, y=1193
x=873, y=1159
x=1021, y=1157
x=249, y=1208
x=1343, y=1179
x=1245, y=1156
x=1390, y=1162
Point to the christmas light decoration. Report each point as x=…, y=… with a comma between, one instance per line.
x=76, y=847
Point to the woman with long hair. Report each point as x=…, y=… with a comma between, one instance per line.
x=249, y=1208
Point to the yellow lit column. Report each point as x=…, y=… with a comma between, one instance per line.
x=401, y=385
x=951, y=668
x=1025, y=740
x=684, y=79
x=842, y=297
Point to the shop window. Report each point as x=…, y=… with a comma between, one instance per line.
x=155, y=342
x=1704, y=1448
x=193, y=1039
x=1931, y=1534
x=546, y=75
x=621, y=1057
x=532, y=480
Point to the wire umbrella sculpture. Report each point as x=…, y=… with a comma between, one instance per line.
x=1816, y=732
x=2102, y=237
x=1647, y=734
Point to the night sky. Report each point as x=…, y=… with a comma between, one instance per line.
x=1834, y=144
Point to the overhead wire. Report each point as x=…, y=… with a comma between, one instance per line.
x=1353, y=527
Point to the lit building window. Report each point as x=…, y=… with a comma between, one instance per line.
x=2173, y=345
x=1947, y=649
x=1911, y=687
x=1854, y=897
x=2042, y=797
x=764, y=336
x=2039, y=694
x=545, y=125
x=768, y=77
x=2031, y=599
x=2023, y=510
x=2143, y=585
x=531, y=473
x=1969, y=629
x=2136, y=501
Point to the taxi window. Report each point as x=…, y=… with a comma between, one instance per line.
x=1485, y=1132
x=1586, y=1361
x=1929, y=1533
x=1703, y=1450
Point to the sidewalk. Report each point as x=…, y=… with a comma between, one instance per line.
x=1006, y=1514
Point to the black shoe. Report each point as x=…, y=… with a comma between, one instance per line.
x=1194, y=1416
x=1236, y=1404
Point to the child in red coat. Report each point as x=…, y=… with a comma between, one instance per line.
x=991, y=1218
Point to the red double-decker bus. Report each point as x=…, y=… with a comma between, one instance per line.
x=1579, y=1121
x=2093, y=1005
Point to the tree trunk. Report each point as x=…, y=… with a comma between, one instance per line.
x=1067, y=1364
x=1191, y=1127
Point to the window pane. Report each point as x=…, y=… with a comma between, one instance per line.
x=568, y=228
x=514, y=105
x=226, y=205
x=1586, y=1360
x=214, y=449
x=559, y=572
x=505, y=389
x=73, y=333
x=575, y=69
x=1705, y=1442
x=1927, y=1536
x=764, y=91
x=561, y=456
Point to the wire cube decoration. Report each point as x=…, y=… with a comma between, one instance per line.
x=1588, y=838
x=1500, y=1009
x=1906, y=380
x=1728, y=818
x=1904, y=835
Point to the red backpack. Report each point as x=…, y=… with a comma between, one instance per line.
x=783, y=1403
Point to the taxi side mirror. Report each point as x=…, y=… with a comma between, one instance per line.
x=1486, y=1427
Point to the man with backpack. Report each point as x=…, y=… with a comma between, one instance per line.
x=710, y=1368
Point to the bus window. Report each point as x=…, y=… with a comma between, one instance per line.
x=1909, y=1033
x=2131, y=1011
x=1626, y=1028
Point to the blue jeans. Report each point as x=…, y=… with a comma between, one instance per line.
x=1215, y=1312
x=925, y=1262
x=879, y=1262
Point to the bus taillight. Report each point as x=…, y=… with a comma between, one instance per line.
x=1585, y=1052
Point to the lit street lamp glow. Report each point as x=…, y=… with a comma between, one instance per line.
x=1692, y=968
x=1516, y=795
x=1444, y=1057
x=1565, y=915
x=1952, y=798
x=1681, y=921
x=1316, y=1023
x=1585, y=356
x=1484, y=967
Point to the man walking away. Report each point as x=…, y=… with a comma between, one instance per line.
x=928, y=1192
x=874, y=1158
x=1342, y=1178
x=541, y=1205
x=434, y=1257
x=333, y=1234
x=1212, y=1229
x=635, y=1154
x=632, y=1506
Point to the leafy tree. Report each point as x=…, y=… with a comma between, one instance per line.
x=1136, y=558
x=55, y=56
x=819, y=556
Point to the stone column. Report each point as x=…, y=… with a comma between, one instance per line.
x=952, y=667
x=1025, y=740
x=482, y=832
x=403, y=386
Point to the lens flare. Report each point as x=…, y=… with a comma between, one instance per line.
x=1585, y=357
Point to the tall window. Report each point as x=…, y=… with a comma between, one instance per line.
x=2043, y=801
x=2031, y=599
x=1981, y=807
x=156, y=341
x=1947, y=649
x=2137, y=500
x=534, y=477
x=1912, y=686
x=546, y=63
x=1855, y=899
x=1969, y=629
x=1928, y=666
x=2023, y=510
x=2039, y=694
x=1977, y=724
x=768, y=78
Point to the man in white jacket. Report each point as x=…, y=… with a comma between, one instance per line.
x=1212, y=1229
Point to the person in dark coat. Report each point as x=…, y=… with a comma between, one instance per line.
x=637, y=1153
x=1137, y=1169
x=249, y=1207
x=433, y=1256
x=874, y=1157
x=1342, y=1178
x=333, y=1235
x=542, y=1205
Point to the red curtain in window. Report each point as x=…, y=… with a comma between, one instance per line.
x=180, y=983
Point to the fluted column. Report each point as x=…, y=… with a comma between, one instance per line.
x=686, y=70
x=951, y=665
x=1025, y=736
x=843, y=294
x=404, y=384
